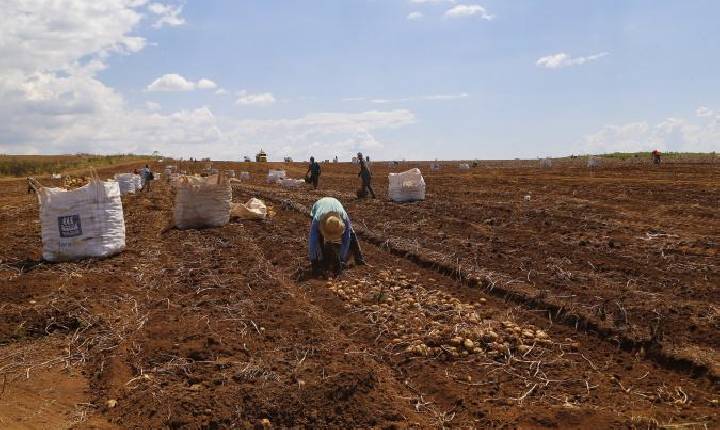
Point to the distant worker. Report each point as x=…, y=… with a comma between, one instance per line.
x=656, y=157
x=147, y=176
x=331, y=238
x=313, y=172
x=365, y=176
x=31, y=187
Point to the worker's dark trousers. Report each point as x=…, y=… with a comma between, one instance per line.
x=367, y=186
x=355, y=247
x=314, y=180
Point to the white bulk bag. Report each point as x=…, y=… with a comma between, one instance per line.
x=80, y=223
x=202, y=202
x=253, y=209
x=464, y=166
x=174, y=178
x=127, y=183
x=406, y=186
x=139, y=181
x=275, y=176
x=546, y=163
x=245, y=176
x=593, y=162
x=291, y=183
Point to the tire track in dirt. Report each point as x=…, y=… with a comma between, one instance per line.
x=698, y=360
x=476, y=390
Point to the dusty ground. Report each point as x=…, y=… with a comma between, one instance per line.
x=592, y=305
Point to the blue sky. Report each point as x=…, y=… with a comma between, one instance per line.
x=394, y=78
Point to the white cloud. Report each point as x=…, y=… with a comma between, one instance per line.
x=671, y=134
x=324, y=134
x=466, y=10
x=415, y=16
x=168, y=14
x=171, y=82
x=258, y=99
x=176, y=82
x=206, y=84
x=53, y=101
x=221, y=91
x=562, y=59
x=704, y=111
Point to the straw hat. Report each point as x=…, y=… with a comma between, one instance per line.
x=332, y=227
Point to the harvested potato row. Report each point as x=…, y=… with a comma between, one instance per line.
x=429, y=322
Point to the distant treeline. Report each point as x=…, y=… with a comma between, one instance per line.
x=29, y=165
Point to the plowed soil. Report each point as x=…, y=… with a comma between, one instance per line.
x=592, y=304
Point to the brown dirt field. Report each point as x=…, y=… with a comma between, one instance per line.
x=224, y=327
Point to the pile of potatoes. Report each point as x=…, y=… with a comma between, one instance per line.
x=74, y=182
x=429, y=322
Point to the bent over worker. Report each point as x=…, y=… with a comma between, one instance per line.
x=332, y=237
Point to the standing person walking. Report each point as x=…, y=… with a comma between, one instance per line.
x=147, y=176
x=366, y=177
x=314, y=172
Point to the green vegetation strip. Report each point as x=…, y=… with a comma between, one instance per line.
x=29, y=165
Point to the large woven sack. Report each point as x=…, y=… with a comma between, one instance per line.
x=127, y=183
x=292, y=183
x=202, y=202
x=253, y=209
x=275, y=176
x=406, y=186
x=80, y=223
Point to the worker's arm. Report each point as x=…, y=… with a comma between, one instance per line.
x=345, y=243
x=314, y=245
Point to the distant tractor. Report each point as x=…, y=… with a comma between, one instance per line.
x=288, y=159
x=246, y=159
x=261, y=157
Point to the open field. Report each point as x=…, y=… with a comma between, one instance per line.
x=594, y=304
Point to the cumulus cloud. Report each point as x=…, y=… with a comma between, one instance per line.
x=704, y=111
x=54, y=102
x=671, y=134
x=325, y=134
x=167, y=14
x=466, y=10
x=258, y=99
x=176, y=82
x=206, y=84
x=171, y=82
x=415, y=16
x=221, y=91
x=557, y=61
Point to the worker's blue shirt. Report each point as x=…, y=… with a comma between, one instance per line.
x=321, y=208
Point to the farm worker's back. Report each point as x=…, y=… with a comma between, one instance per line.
x=330, y=223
